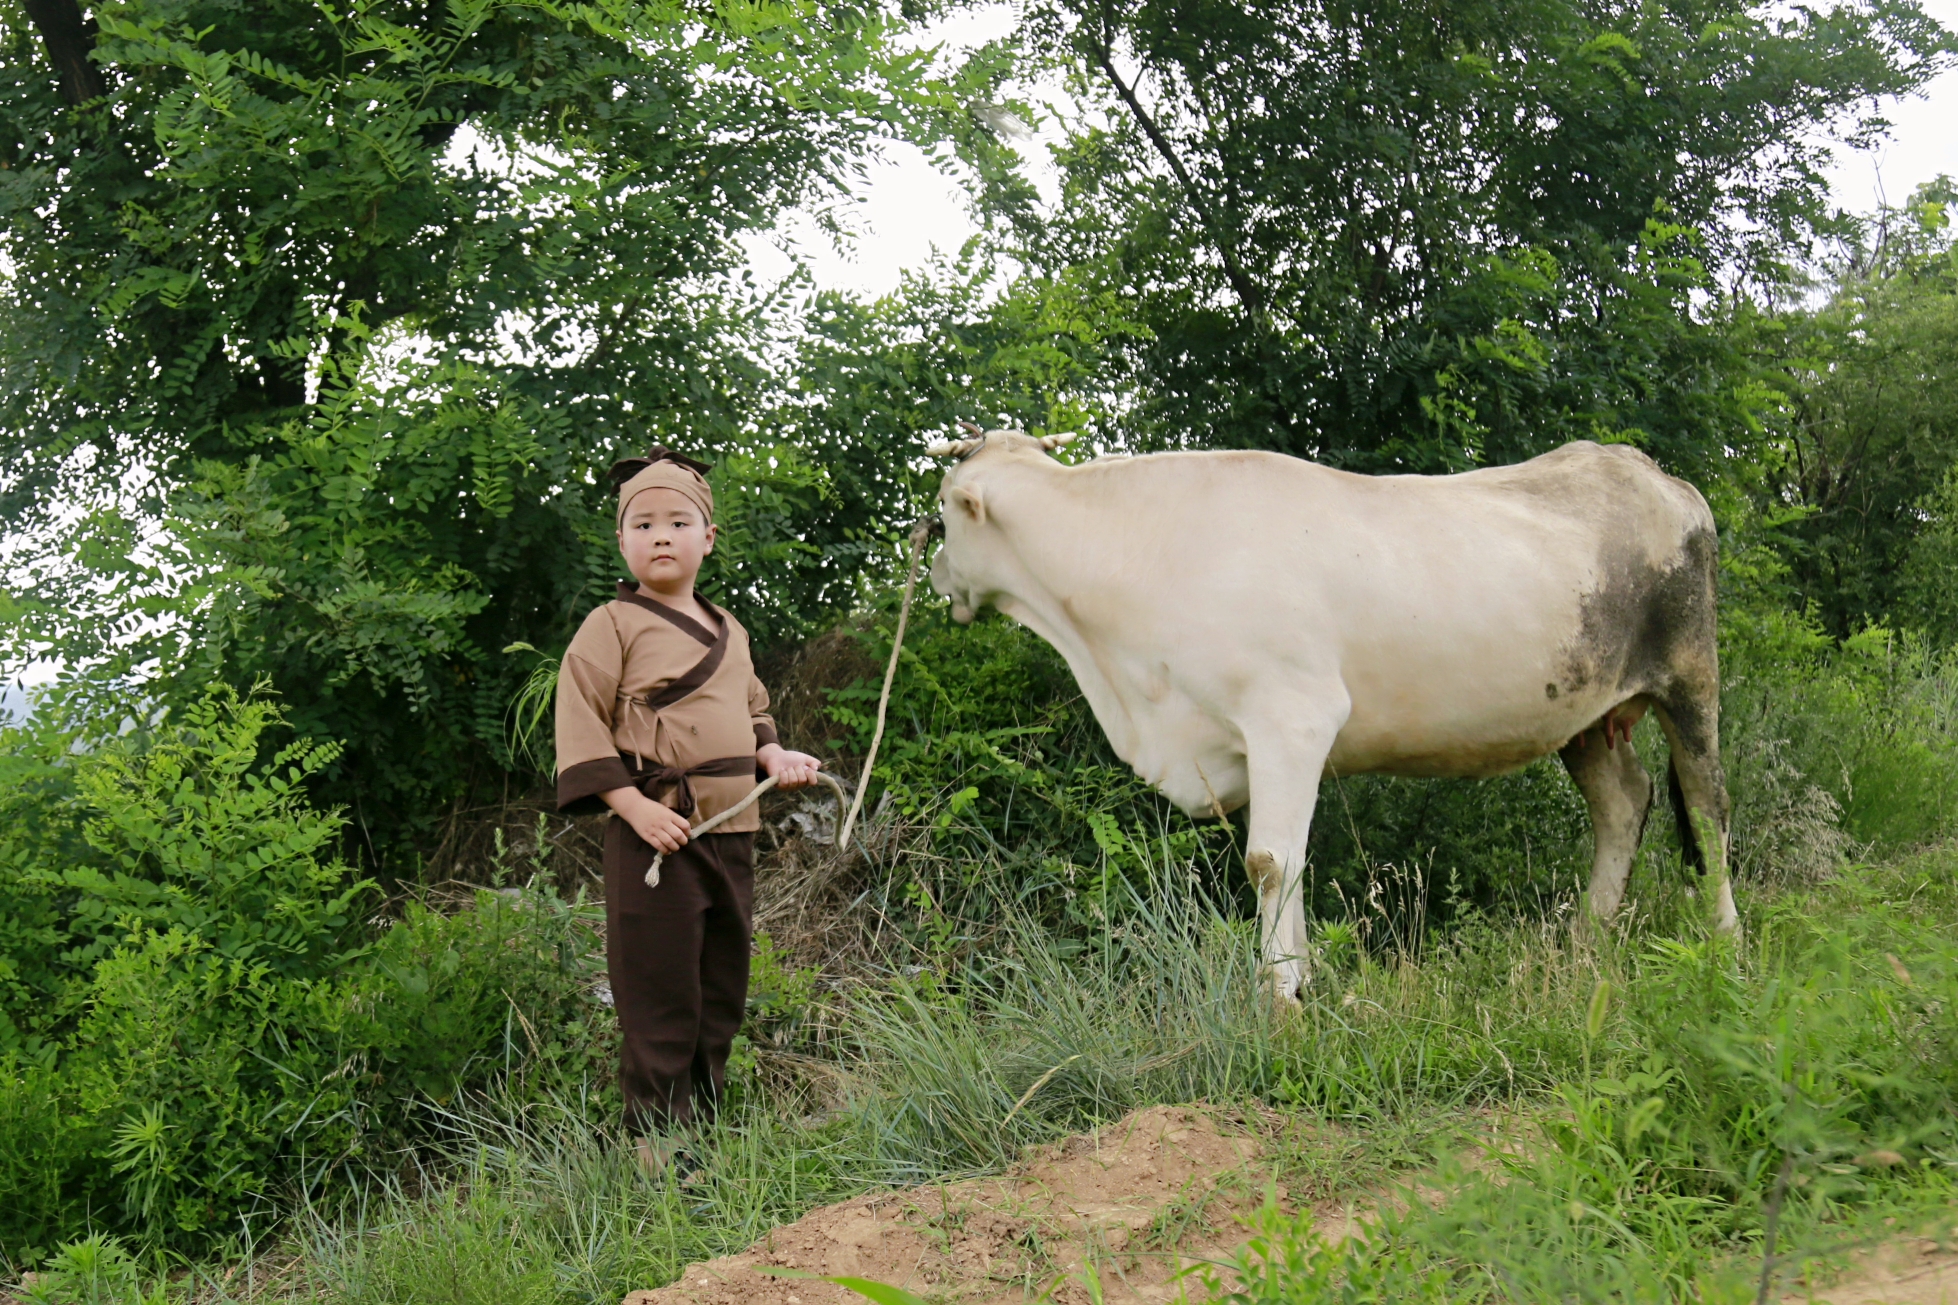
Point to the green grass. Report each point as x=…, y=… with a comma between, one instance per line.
x=541, y=1205
x=1672, y=1089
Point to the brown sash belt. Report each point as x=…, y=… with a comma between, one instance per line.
x=654, y=780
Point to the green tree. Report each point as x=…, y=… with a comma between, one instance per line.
x=1422, y=237
x=321, y=323
x=874, y=382
x=1872, y=428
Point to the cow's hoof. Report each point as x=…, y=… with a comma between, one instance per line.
x=1726, y=918
x=1284, y=983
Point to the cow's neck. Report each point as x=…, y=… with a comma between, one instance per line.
x=1099, y=682
x=1032, y=497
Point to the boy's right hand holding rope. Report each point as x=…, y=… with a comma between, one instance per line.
x=660, y=825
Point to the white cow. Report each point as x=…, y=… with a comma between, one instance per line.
x=1244, y=622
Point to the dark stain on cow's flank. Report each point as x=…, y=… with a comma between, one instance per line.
x=1644, y=629
x=1652, y=630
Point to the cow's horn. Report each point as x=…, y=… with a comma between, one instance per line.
x=971, y=427
x=1052, y=442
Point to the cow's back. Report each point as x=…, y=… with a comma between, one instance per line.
x=1474, y=621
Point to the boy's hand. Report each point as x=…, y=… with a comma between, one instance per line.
x=657, y=823
x=790, y=769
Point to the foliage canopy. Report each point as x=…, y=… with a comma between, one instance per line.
x=357, y=303
x=1420, y=237
x=322, y=324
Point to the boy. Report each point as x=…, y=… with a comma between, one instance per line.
x=660, y=717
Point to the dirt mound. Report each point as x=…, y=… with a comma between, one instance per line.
x=1134, y=1202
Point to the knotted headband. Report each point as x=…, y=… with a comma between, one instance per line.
x=662, y=468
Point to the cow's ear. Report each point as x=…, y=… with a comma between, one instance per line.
x=969, y=502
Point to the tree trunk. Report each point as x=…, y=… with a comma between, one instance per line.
x=69, y=38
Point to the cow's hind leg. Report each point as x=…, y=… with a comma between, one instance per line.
x=1285, y=769
x=1619, y=793
x=1691, y=719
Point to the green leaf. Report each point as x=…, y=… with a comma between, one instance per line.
x=882, y=1293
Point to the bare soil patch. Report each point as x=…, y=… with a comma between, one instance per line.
x=1135, y=1202
x=1904, y=1271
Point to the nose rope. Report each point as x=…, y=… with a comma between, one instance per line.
x=919, y=533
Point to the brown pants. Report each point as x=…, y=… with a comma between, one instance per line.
x=678, y=960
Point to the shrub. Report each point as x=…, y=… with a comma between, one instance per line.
x=198, y=1080
x=501, y=989
x=199, y=1020
x=40, y=832
x=196, y=831
x=42, y=1144
x=185, y=828
x=1860, y=737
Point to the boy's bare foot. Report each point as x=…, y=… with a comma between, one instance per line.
x=654, y=1155
x=663, y=1157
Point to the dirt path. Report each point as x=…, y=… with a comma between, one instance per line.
x=1907, y=1271
x=1135, y=1202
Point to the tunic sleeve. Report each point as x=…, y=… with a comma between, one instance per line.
x=588, y=759
x=758, y=711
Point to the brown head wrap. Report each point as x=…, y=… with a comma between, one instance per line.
x=662, y=468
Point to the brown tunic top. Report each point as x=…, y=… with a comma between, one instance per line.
x=648, y=696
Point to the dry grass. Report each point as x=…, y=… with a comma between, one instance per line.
x=799, y=686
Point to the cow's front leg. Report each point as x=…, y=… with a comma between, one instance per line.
x=1285, y=767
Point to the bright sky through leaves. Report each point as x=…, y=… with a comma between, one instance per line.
x=907, y=207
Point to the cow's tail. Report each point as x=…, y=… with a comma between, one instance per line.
x=1683, y=818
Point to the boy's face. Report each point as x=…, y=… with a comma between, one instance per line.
x=664, y=540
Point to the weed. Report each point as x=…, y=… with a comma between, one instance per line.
x=1175, y=1220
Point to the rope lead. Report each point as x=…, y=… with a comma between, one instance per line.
x=919, y=533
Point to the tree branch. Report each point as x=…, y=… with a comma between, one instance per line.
x=608, y=338
x=1241, y=284
x=1222, y=239
x=69, y=38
